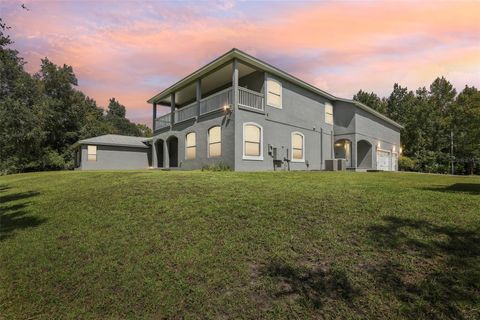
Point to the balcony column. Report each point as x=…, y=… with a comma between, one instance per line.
x=199, y=95
x=154, y=116
x=235, y=83
x=172, y=109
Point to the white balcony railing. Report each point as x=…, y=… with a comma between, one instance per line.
x=162, y=122
x=246, y=98
x=216, y=101
x=185, y=113
x=250, y=99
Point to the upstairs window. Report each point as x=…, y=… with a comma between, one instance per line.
x=252, y=141
x=298, y=147
x=214, y=142
x=328, y=113
x=274, y=93
x=92, y=153
x=190, y=146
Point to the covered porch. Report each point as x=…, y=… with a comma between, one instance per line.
x=232, y=84
x=357, y=152
x=166, y=153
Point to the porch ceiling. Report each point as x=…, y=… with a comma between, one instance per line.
x=212, y=81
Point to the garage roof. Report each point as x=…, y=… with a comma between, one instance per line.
x=116, y=140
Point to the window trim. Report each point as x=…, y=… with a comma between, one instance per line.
x=89, y=154
x=303, y=146
x=325, y=106
x=208, y=142
x=244, y=156
x=281, y=93
x=194, y=146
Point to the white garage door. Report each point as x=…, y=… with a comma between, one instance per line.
x=383, y=160
x=394, y=162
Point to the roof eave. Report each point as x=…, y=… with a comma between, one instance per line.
x=93, y=143
x=236, y=53
x=372, y=111
x=198, y=73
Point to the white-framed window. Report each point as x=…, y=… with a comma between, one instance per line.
x=92, y=153
x=214, y=142
x=274, y=93
x=190, y=146
x=328, y=113
x=252, y=141
x=298, y=147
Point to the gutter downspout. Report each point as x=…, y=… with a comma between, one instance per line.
x=321, y=148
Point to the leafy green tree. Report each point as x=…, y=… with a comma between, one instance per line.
x=419, y=124
x=401, y=107
x=63, y=111
x=144, y=130
x=400, y=103
x=464, y=122
x=42, y=116
x=442, y=97
x=94, y=122
x=116, y=116
x=372, y=100
x=21, y=135
x=115, y=109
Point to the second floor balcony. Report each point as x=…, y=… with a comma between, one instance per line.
x=217, y=101
x=190, y=103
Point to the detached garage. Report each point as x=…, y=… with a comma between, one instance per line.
x=113, y=152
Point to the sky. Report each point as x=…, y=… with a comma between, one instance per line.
x=132, y=50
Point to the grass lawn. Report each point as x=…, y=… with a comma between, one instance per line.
x=154, y=244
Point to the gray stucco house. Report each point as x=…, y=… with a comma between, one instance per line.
x=244, y=113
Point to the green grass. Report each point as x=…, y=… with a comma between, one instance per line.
x=154, y=244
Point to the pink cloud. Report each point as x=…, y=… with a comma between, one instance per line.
x=133, y=50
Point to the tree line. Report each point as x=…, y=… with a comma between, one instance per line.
x=435, y=120
x=44, y=114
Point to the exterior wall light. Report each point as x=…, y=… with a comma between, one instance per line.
x=393, y=149
x=400, y=150
x=379, y=144
x=227, y=108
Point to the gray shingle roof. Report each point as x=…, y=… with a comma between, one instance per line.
x=116, y=140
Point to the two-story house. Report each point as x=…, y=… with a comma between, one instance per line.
x=246, y=114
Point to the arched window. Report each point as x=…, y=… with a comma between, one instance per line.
x=190, y=146
x=298, y=147
x=214, y=142
x=252, y=141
